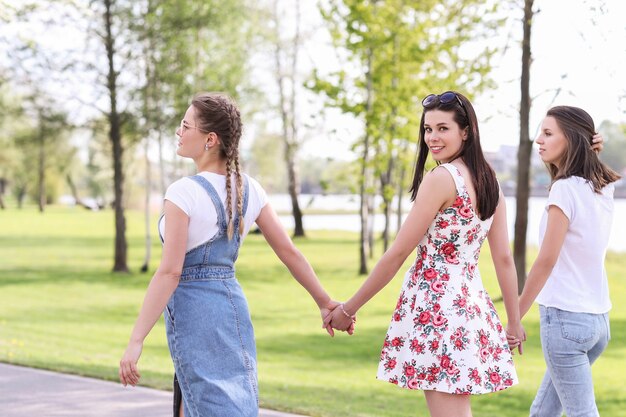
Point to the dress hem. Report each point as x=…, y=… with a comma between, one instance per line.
x=445, y=389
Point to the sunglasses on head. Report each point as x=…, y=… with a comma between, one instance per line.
x=432, y=100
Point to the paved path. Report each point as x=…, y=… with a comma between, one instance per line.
x=27, y=392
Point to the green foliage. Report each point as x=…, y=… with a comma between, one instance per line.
x=409, y=49
x=66, y=312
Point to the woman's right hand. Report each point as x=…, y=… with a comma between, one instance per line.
x=129, y=374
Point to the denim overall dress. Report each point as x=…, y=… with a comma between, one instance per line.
x=208, y=326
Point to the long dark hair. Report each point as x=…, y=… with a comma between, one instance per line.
x=483, y=176
x=579, y=158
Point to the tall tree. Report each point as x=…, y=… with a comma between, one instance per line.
x=120, y=257
x=523, y=153
x=286, y=43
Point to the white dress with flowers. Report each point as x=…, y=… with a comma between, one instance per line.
x=445, y=334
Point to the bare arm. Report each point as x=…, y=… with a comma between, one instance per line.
x=554, y=237
x=436, y=189
x=293, y=259
x=505, y=269
x=160, y=289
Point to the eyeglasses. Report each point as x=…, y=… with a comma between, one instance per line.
x=432, y=100
x=183, y=127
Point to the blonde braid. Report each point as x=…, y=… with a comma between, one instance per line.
x=229, y=210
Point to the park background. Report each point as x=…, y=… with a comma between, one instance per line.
x=330, y=95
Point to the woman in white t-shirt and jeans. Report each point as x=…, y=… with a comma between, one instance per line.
x=207, y=322
x=568, y=278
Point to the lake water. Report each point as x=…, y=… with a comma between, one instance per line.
x=351, y=222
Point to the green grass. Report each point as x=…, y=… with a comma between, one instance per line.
x=61, y=309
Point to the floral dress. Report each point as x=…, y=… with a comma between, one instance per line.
x=445, y=334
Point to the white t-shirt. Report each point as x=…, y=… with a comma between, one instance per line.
x=192, y=198
x=578, y=281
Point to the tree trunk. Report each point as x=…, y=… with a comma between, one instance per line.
x=73, y=190
x=41, y=171
x=288, y=117
x=385, y=182
x=21, y=194
x=146, y=260
x=400, y=193
x=298, y=230
x=115, y=137
x=2, y=189
x=365, y=247
x=523, y=155
x=161, y=164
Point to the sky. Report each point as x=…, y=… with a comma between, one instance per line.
x=577, y=49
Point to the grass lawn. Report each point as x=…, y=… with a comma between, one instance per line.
x=61, y=309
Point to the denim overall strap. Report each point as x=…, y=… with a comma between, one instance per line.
x=219, y=207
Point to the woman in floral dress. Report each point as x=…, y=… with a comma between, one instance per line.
x=445, y=337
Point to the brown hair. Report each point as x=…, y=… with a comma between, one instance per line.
x=483, y=176
x=579, y=158
x=218, y=113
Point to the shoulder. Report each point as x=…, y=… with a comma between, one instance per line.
x=180, y=185
x=570, y=186
x=438, y=181
x=256, y=192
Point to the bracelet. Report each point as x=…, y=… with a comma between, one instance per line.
x=345, y=313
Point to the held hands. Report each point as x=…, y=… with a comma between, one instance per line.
x=339, y=319
x=129, y=374
x=516, y=336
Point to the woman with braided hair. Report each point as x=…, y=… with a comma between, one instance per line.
x=206, y=217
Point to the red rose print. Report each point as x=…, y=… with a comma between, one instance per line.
x=409, y=370
x=442, y=224
x=448, y=248
x=430, y=274
x=458, y=202
x=397, y=317
x=439, y=320
x=465, y=212
x=391, y=363
x=484, y=340
x=424, y=317
x=452, y=259
x=437, y=286
x=436, y=307
x=494, y=377
x=445, y=361
x=396, y=342
x=412, y=384
x=418, y=265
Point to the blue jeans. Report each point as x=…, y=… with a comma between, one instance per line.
x=571, y=343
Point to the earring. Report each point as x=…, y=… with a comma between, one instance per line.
x=206, y=146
